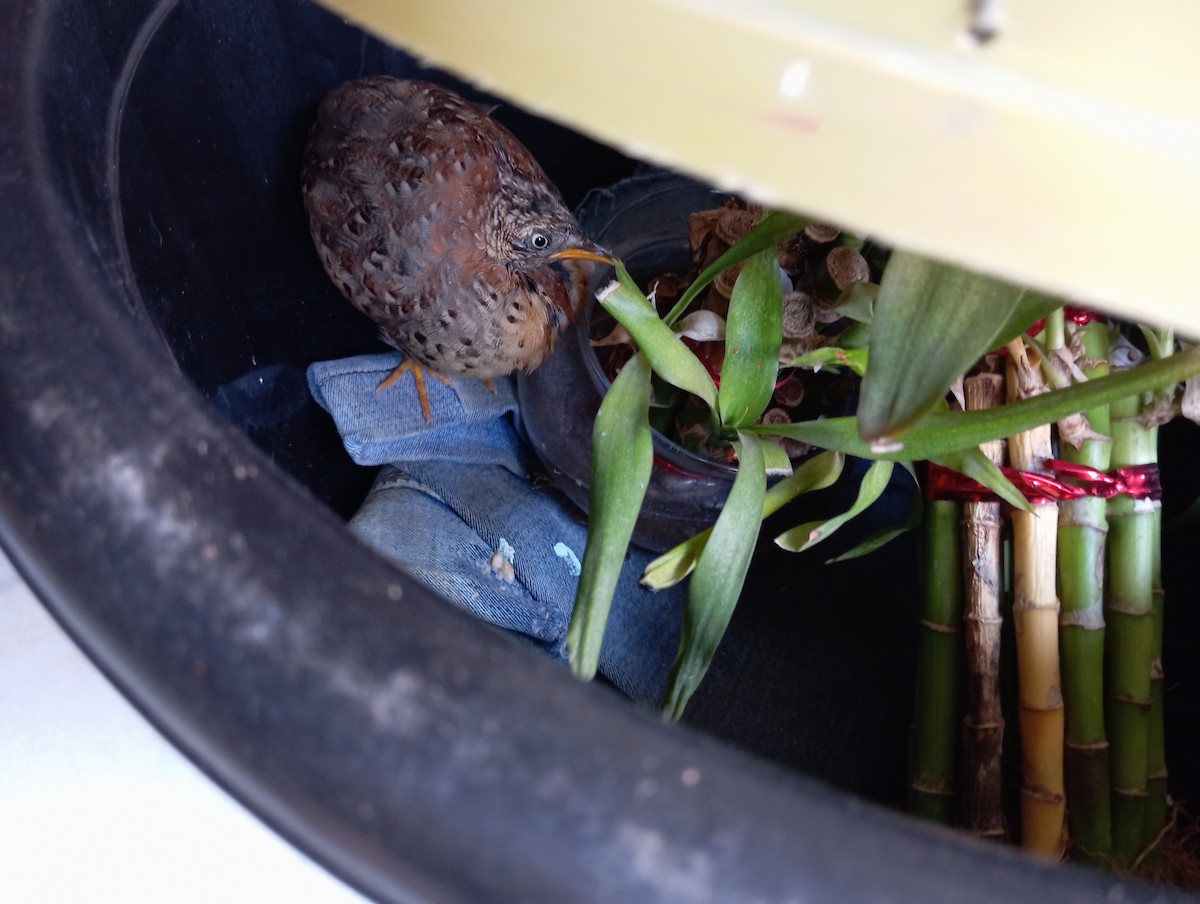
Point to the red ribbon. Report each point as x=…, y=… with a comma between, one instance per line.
x=1065, y=482
x=1077, y=316
x=1080, y=316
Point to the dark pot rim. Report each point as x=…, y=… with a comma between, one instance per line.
x=665, y=448
x=651, y=189
x=412, y=751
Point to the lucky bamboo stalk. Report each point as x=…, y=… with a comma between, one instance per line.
x=1157, y=803
x=983, y=723
x=1162, y=344
x=1129, y=613
x=1035, y=622
x=939, y=654
x=1082, y=529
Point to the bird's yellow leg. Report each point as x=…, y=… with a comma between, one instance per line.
x=408, y=365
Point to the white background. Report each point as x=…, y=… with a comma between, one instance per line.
x=96, y=807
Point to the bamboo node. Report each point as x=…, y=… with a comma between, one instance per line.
x=1127, y=699
x=1054, y=702
x=1130, y=609
x=1023, y=603
x=1131, y=793
x=1091, y=748
x=1070, y=514
x=981, y=727
x=1042, y=794
x=1089, y=619
x=983, y=619
x=932, y=788
x=938, y=627
x=992, y=834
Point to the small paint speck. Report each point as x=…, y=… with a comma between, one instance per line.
x=564, y=552
x=505, y=549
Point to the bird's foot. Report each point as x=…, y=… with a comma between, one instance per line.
x=408, y=365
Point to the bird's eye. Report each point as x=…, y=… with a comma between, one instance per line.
x=539, y=241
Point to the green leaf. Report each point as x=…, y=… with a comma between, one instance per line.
x=932, y=322
x=983, y=470
x=884, y=536
x=1158, y=342
x=952, y=431
x=807, y=535
x=676, y=564
x=857, y=336
x=775, y=461
x=622, y=456
x=857, y=302
x=719, y=576
x=816, y=473
x=753, y=334
x=670, y=358
x=829, y=356
x=776, y=226
x=877, y=540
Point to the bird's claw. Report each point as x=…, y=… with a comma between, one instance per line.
x=408, y=365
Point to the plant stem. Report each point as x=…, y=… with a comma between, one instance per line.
x=1082, y=529
x=1035, y=622
x=983, y=724
x=1055, y=334
x=1130, y=642
x=1157, y=804
x=939, y=653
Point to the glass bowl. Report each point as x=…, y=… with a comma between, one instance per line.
x=643, y=221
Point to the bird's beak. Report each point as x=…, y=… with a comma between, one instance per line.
x=584, y=252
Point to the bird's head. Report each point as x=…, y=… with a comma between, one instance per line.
x=533, y=235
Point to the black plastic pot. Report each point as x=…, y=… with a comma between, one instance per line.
x=643, y=221
x=161, y=487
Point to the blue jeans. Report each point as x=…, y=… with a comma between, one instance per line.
x=456, y=506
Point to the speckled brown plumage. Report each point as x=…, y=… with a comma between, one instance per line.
x=439, y=225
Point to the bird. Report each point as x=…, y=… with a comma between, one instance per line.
x=438, y=224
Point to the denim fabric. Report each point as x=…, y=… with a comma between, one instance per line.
x=468, y=423
x=460, y=509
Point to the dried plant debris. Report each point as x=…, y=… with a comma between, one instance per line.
x=846, y=266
